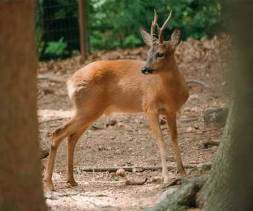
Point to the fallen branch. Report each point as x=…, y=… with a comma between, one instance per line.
x=129, y=169
x=51, y=78
x=203, y=84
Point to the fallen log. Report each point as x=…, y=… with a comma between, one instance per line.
x=130, y=168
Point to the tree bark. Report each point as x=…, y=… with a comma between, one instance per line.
x=20, y=176
x=230, y=185
x=216, y=193
x=83, y=30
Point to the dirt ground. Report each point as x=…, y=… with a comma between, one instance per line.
x=128, y=142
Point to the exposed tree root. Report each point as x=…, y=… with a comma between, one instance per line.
x=181, y=197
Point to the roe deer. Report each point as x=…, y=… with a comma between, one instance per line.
x=153, y=87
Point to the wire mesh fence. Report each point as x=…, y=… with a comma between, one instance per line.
x=57, y=28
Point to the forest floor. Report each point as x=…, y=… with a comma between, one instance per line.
x=127, y=142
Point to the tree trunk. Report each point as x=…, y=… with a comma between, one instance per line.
x=83, y=30
x=230, y=185
x=216, y=192
x=20, y=177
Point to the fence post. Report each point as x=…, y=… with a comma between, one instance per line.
x=83, y=30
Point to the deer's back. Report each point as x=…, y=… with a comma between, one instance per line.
x=118, y=85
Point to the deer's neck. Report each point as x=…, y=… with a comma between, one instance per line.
x=170, y=71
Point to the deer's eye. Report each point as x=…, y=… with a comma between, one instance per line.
x=159, y=55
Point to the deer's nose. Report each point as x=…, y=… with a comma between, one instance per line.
x=147, y=70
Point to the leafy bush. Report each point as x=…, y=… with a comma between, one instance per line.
x=131, y=41
x=56, y=49
x=56, y=28
x=116, y=23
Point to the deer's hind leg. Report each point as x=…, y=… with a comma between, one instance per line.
x=57, y=137
x=72, y=129
x=72, y=141
x=88, y=119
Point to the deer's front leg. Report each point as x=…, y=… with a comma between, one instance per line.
x=172, y=123
x=153, y=119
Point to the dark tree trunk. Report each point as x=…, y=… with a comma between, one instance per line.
x=83, y=30
x=230, y=185
x=20, y=177
x=216, y=193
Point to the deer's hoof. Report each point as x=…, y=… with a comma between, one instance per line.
x=72, y=183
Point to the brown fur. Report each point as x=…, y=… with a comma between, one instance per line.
x=104, y=87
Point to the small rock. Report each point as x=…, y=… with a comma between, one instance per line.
x=189, y=129
x=196, y=127
x=121, y=172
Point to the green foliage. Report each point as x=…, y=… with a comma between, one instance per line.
x=57, y=32
x=116, y=23
x=56, y=49
x=131, y=41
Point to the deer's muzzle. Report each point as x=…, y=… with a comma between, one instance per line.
x=147, y=70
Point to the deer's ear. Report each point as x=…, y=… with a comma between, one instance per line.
x=146, y=37
x=175, y=38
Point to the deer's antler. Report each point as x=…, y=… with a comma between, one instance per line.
x=161, y=30
x=153, y=25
